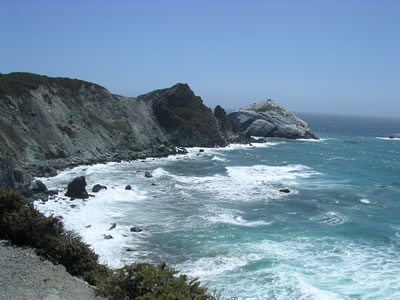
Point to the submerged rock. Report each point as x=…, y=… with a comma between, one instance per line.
x=147, y=175
x=98, y=187
x=113, y=225
x=77, y=188
x=269, y=119
x=135, y=229
x=108, y=237
x=284, y=190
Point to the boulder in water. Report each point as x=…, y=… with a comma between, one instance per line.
x=98, y=187
x=284, y=190
x=135, y=229
x=38, y=187
x=77, y=188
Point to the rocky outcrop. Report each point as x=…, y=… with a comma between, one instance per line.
x=77, y=188
x=185, y=120
x=59, y=122
x=11, y=177
x=269, y=119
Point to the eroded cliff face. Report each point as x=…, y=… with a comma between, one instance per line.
x=60, y=121
x=186, y=121
x=269, y=119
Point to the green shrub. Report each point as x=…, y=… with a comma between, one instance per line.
x=22, y=224
x=145, y=281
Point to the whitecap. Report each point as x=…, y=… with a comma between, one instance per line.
x=230, y=216
x=159, y=172
x=253, y=183
x=218, y=158
x=365, y=201
x=388, y=139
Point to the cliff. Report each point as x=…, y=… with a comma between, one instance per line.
x=269, y=119
x=58, y=122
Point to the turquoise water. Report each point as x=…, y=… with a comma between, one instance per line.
x=220, y=216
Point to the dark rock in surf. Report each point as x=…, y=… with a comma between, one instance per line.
x=135, y=229
x=284, y=190
x=108, y=237
x=77, y=188
x=147, y=175
x=128, y=187
x=98, y=187
x=113, y=225
x=38, y=187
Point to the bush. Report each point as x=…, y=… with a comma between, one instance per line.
x=22, y=224
x=145, y=281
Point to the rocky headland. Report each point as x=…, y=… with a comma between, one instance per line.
x=59, y=122
x=269, y=119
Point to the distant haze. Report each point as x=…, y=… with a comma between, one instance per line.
x=337, y=56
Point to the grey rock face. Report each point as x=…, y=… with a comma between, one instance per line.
x=50, y=123
x=269, y=119
x=6, y=172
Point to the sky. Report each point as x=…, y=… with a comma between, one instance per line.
x=335, y=57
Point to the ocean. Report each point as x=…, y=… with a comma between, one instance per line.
x=219, y=215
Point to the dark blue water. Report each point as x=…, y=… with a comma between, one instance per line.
x=220, y=215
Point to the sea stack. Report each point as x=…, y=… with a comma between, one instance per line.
x=269, y=119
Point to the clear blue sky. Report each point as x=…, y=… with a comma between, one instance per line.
x=310, y=56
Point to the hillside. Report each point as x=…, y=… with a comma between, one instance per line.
x=59, y=122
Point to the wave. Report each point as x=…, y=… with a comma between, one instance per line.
x=388, y=139
x=218, y=158
x=330, y=218
x=365, y=201
x=92, y=218
x=218, y=215
x=252, y=183
x=299, y=268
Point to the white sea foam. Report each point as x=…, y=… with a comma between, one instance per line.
x=313, y=140
x=160, y=172
x=335, y=269
x=218, y=158
x=389, y=139
x=330, y=218
x=252, y=183
x=365, y=201
x=92, y=218
x=230, y=216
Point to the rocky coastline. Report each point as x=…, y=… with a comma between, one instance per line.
x=49, y=124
